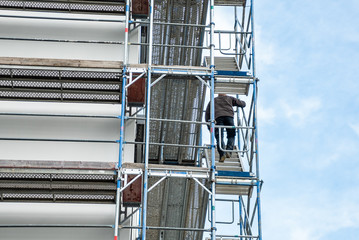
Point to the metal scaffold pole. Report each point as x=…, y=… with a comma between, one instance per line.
x=122, y=125
x=147, y=124
x=255, y=93
x=213, y=167
x=240, y=216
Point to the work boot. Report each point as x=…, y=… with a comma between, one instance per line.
x=228, y=155
x=221, y=158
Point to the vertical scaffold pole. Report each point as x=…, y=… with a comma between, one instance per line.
x=213, y=166
x=238, y=131
x=122, y=124
x=147, y=122
x=236, y=29
x=255, y=92
x=240, y=216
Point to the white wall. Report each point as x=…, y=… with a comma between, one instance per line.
x=59, y=127
x=59, y=214
x=65, y=30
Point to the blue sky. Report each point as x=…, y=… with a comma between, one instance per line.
x=307, y=60
x=307, y=55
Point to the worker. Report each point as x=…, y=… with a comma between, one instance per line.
x=223, y=115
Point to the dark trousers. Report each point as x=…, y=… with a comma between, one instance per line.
x=231, y=133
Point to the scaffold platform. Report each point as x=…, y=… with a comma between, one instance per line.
x=229, y=79
x=231, y=177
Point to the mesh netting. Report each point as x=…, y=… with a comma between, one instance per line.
x=177, y=98
x=55, y=197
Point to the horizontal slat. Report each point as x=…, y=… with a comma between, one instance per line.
x=60, y=197
x=37, y=175
x=233, y=190
x=33, y=95
x=224, y=63
x=88, y=6
x=57, y=185
x=59, y=90
x=231, y=88
x=229, y=2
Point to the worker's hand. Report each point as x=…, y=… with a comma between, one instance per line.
x=209, y=125
x=243, y=104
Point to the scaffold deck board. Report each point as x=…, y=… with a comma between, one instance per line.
x=234, y=163
x=229, y=79
x=231, y=177
x=223, y=63
x=231, y=87
x=229, y=173
x=163, y=167
x=239, y=188
x=171, y=69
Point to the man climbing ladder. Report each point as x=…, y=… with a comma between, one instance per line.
x=223, y=115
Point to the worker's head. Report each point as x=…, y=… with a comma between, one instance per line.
x=222, y=94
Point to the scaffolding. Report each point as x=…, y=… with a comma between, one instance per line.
x=182, y=56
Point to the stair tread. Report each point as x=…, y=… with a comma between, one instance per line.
x=233, y=163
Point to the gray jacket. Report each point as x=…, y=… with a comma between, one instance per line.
x=223, y=107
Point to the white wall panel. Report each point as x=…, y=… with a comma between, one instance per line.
x=65, y=30
x=34, y=127
x=52, y=214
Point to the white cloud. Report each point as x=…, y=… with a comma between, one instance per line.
x=336, y=154
x=310, y=215
x=355, y=127
x=327, y=159
x=301, y=111
x=265, y=49
x=266, y=115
